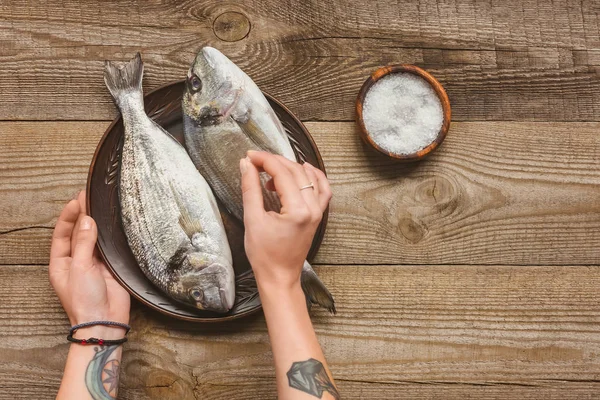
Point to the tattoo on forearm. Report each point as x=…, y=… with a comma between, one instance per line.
x=311, y=377
x=102, y=374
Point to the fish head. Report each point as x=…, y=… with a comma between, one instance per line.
x=213, y=87
x=209, y=283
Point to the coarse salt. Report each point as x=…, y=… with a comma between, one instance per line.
x=402, y=113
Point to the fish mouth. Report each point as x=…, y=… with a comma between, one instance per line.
x=220, y=297
x=226, y=302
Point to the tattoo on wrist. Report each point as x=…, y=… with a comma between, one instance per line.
x=311, y=377
x=102, y=374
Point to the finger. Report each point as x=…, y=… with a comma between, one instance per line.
x=313, y=192
x=310, y=173
x=61, y=237
x=324, y=188
x=82, y=211
x=251, y=191
x=285, y=184
x=81, y=200
x=302, y=180
x=83, y=254
x=58, y=272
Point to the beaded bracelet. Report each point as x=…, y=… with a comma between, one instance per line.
x=93, y=340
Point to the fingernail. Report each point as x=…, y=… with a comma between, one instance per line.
x=85, y=224
x=76, y=195
x=249, y=152
x=243, y=165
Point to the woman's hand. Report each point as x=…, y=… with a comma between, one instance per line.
x=277, y=243
x=87, y=291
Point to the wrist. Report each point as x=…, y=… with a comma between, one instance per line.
x=275, y=275
x=277, y=294
x=100, y=332
x=277, y=285
x=121, y=315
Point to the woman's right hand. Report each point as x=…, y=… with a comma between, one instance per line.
x=277, y=243
x=87, y=291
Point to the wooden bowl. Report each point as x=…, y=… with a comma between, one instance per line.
x=164, y=106
x=439, y=90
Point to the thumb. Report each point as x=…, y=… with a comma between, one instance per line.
x=251, y=191
x=85, y=243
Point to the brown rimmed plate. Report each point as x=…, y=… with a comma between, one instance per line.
x=164, y=106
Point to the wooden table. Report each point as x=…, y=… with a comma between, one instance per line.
x=472, y=274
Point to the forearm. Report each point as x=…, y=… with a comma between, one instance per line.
x=296, y=350
x=92, y=371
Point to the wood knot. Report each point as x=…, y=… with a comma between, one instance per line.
x=412, y=230
x=437, y=191
x=231, y=26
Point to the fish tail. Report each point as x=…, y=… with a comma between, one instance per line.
x=125, y=81
x=315, y=290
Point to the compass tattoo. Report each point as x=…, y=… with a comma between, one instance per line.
x=102, y=374
x=311, y=377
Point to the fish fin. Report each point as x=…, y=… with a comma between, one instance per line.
x=315, y=290
x=179, y=255
x=253, y=132
x=308, y=304
x=189, y=225
x=125, y=78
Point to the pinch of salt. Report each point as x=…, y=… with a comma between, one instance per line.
x=402, y=113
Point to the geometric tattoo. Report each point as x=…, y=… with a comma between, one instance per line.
x=102, y=374
x=311, y=377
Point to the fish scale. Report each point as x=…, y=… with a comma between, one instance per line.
x=217, y=163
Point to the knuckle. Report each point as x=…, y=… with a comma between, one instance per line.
x=272, y=163
x=83, y=236
x=311, y=175
x=77, y=266
x=81, y=266
x=316, y=216
x=302, y=215
x=297, y=166
x=245, y=188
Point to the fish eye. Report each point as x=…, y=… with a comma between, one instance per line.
x=195, y=83
x=196, y=294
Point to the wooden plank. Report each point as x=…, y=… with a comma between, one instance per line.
x=408, y=332
x=515, y=60
x=41, y=168
x=494, y=193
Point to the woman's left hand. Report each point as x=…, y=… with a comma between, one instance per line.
x=86, y=289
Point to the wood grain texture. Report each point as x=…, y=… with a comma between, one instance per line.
x=494, y=193
x=510, y=60
x=404, y=332
x=521, y=194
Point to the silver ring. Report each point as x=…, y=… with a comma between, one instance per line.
x=310, y=185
